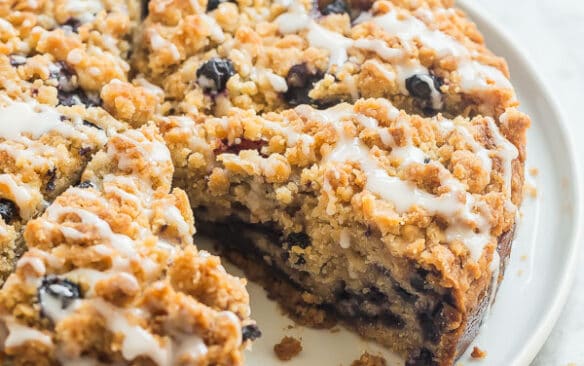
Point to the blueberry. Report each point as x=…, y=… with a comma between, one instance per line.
x=61, y=290
x=300, y=81
x=78, y=97
x=214, y=4
x=405, y=295
x=336, y=7
x=86, y=184
x=145, y=11
x=426, y=88
x=64, y=75
x=71, y=24
x=244, y=144
x=89, y=124
x=424, y=357
x=300, y=261
x=375, y=296
x=68, y=91
x=251, y=332
x=8, y=210
x=51, y=177
x=298, y=239
x=212, y=76
x=85, y=150
x=418, y=280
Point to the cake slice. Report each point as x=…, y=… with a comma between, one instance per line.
x=112, y=276
x=424, y=56
x=55, y=58
x=43, y=151
x=396, y=224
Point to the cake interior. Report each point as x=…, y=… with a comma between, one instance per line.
x=407, y=313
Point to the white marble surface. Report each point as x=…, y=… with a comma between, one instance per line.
x=552, y=34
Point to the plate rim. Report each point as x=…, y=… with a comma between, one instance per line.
x=543, y=329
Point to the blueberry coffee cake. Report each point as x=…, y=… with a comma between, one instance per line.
x=361, y=159
x=111, y=275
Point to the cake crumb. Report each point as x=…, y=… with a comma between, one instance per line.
x=533, y=172
x=288, y=348
x=530, y=190
x=369, y=360
x=478, y=353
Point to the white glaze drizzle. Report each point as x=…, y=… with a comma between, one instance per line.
x=473, y=74
x=158, y=43
x=467, y=217
x=27, y=198
x=19, y=334
x=84, y=10
x=137, y=341
x=296, y=20
x=506, y=150
x=20, y=117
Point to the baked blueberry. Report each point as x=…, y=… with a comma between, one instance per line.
x=251, y=332
x=86, y=184
x=145, y=10
x=85, y=150
x=89, y=124
x=214, y=4
x=71, y=24
x=335, y=7
x=300, y=81
x=212, y=76
x=65, y=76
x=427, y=89
x=68, y=91
x=298, y=239
x=78, y=96
x=56, y=294
x=423, y=357
x=51, y=176
x=8, y=210
x=300, y=261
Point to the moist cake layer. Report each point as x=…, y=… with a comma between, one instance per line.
x=112, y=276
x=366, y=196
x=261, y=252
x=424, y=56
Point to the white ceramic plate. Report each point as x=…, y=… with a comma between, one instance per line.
x=542, y=263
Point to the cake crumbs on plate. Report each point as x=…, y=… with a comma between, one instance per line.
x=478, y=353
x=533, y=172
x=367, y=359
x=288, y=348
x=530, y=190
